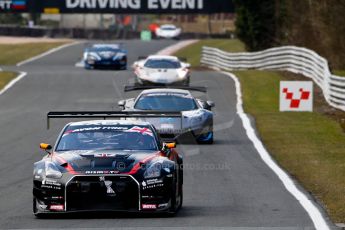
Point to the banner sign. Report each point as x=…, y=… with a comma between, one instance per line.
x=124, y=6
x=296, y=96
x=13, y=6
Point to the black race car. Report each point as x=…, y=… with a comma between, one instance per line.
x=108, y=165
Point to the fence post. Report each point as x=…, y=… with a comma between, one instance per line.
x=326, y=82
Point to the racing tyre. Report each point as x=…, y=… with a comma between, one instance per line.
x=186, y=82
x=206, y=138
x=34, y=209
x=174, y=206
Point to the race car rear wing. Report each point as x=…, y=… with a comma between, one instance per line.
x=129, y=88
x=182, y=59
x=112, y=114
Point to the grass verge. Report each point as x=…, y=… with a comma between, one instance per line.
x=193, y=52
x=11, y=54
x=5, y=78
x=310, y=146
x=340, y=73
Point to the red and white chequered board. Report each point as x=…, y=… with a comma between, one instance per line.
x=296, y=96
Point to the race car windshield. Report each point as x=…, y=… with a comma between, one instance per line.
x=168, y=28
x=107, y=138
x=174, y=103
x=103, y=49
x=162, y=64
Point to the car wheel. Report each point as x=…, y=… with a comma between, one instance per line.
x=186, y=82
x=181, y=197
x=206, y=138
x=174, y=207
x=35, y=210
x=34, y=207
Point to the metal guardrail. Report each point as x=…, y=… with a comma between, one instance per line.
x=288, y=58
x=80, y=33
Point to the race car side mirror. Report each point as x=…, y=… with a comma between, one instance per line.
x=171, y=145
x=210, y=104
x=167, y=147
x=46, y=147
x=121, y=103
x=187, y=66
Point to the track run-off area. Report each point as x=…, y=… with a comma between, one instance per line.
x=227, y=185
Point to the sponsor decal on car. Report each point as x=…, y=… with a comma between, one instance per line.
x=95, y=129
x=102, y=172
x=57, y=207
x=51, y=184
x=168, y=94
x=149, y=206
x=108, y=184
x=163, y=205
x=104, y=155
x=152, y=183
x=43, y=206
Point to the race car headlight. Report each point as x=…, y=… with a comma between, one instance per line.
x=182, y=73
x=153, y=171
x=119, y=56
x=93, y=57
x=52, y=171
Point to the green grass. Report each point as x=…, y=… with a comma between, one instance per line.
x=5, y=78
x=11, y=54
x=339, y=73
x=193, y=52
x=310, y=146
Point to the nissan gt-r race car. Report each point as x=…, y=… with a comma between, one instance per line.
x=162, y=70
x=196, y=116
x=108, y=165
x=168, y=32
x=110, y=56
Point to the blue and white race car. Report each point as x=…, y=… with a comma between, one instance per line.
x=111, y=56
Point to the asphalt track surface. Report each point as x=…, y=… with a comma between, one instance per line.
x=226, y=186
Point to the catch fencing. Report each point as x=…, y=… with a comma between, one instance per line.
x=288, y=58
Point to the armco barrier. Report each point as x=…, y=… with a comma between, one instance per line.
x=80, y=33
x=289, y=58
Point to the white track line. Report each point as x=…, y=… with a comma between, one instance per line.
x=173, y=48
x=23, y=74
x=46, y=53
x=80, y=64
x=14, y=81
x=319, y=222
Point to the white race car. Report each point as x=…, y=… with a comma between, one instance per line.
x=168, y=31
x=162, y=70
